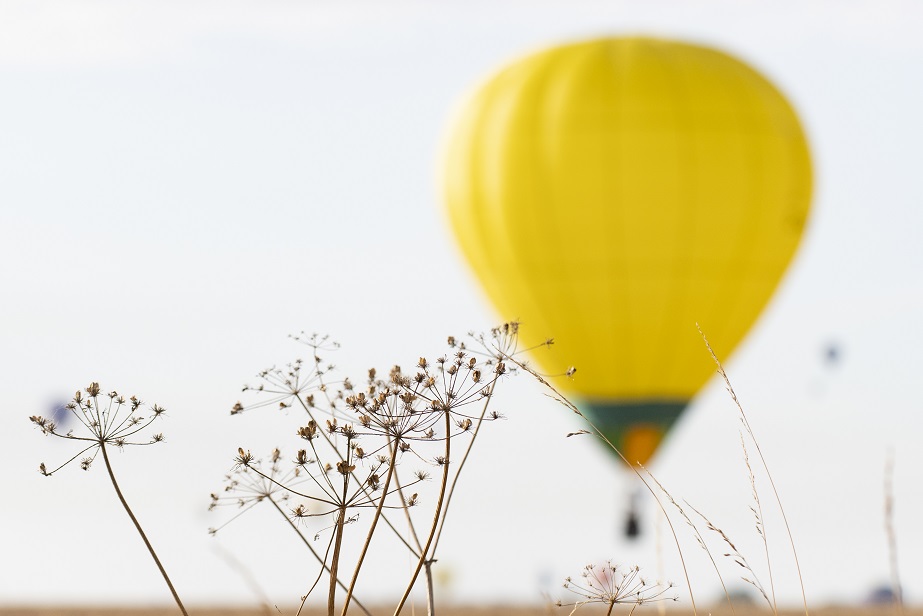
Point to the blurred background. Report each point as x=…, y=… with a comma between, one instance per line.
x=182, y=185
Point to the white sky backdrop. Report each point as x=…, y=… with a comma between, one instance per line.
x=184, y=184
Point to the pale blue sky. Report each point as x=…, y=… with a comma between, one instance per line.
x=184, y=184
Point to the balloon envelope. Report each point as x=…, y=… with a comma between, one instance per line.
x=612, y=194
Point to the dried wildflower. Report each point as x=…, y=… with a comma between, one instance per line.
x=611, y=585
x=309, y=431
x=357, y=434
x=294, y=383
x=255, y=482
x=244, y=458
x=108, y=421
x=344, y=468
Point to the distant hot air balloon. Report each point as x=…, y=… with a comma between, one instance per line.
x=612, y=194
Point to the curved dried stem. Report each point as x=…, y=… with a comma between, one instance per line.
x=442, y=492
x=150, y=548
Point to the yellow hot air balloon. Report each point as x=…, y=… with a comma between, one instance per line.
x=615, y=192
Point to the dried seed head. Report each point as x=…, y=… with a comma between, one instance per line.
x=244, y=458
x=308, y=432
x=93, y=389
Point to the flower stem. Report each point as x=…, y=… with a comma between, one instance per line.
x=335, y=562
x=131, y=515
x=368, y=539
x=442, y=492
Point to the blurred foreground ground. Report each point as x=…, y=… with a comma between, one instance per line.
x=498, y=610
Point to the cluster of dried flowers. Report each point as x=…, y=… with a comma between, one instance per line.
x=358, y=440
x=109, y=419
x=612, y=585
x=355, y=444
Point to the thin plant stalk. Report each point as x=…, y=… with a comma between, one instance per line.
x=428, y=565
x=314, y=552
x=246, y=575
x=695, y=532
x=461, y=465
x=335, y=561
x=320, y=574
x=436, y=517
x=896, y=590
x=760, y=524
x=428, y=572
x=746, y=422
x=561, y=399
x=368, y=537
x=150, y=548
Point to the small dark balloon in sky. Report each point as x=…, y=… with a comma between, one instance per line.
x=60, y=414
x=832, y=354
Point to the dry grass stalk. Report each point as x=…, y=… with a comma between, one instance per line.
x=556, y=395
x=772, y=483
x=896, y=588
x=695, y=532
x=757, y=510
x=736, y=556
